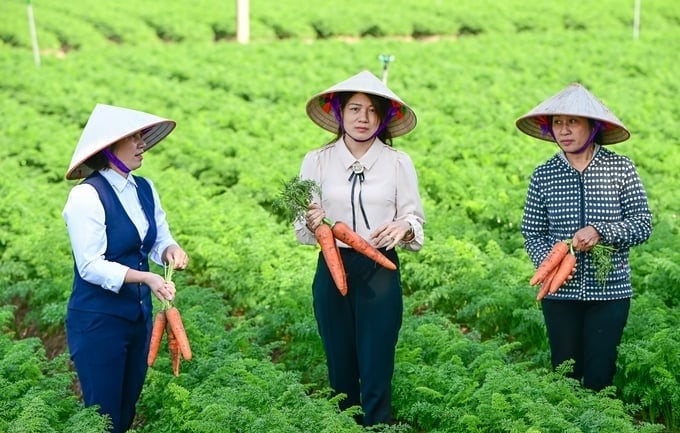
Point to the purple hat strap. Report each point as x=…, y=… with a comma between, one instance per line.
x=113, y=159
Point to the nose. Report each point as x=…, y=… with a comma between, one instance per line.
x=363, y=115
x=563, y=128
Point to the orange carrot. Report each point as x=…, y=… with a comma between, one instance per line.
x=551, y=261
x=175, y=323
x=329, y=249
x=173, y=348
x=545, y=285
x=345, y=234
x=563, y=272
x=156, y=336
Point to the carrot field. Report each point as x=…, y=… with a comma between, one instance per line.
x=472, y=355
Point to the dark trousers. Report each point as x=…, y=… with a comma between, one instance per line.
x=589, y=333
x=359, y=332
x=109, y=354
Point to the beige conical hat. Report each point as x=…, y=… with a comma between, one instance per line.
x=574, y=100
x=318, y=107
x=108, y=124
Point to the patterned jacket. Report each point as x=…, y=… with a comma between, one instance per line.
x=607, y=195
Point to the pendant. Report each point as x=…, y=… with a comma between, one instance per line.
x=357, y=167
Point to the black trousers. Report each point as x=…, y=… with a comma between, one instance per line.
x=588, y=332
x=359, y=332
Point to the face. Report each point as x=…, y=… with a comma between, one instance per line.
x=129, y=150
x=571, y=132
x=359, y=117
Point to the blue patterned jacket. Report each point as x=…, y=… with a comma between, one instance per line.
x=607, y=195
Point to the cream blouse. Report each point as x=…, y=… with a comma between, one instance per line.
x=387, y=192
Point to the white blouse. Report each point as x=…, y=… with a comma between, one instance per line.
x=388, y=192
x=85, y=221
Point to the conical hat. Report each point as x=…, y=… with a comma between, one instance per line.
x=575, y=100
x=108, y=124
x=318, y=107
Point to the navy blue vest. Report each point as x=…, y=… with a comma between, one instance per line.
x=123, y=246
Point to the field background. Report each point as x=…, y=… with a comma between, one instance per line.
x=472, y=355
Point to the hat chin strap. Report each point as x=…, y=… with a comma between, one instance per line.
x=590, y=139
x=113, y=159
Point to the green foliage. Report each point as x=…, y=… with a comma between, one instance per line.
x=35, y=393
x=650, y=376
x=472, y=355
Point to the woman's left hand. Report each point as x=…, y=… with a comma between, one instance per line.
x=390, y=234
x=176, y=255
x=585, y=239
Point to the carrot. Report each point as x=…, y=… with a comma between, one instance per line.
x=563, y=272
x=345, y=234
x=177, y=327
x=156, y=336
x=329, y=249
x=173, y=348
x=551, y=261
x=294, y=201
x=545, y=285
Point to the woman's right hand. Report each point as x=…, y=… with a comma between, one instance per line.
x=164, y=290
x=314, y=216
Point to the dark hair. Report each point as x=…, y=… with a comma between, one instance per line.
x=382, y=105
x=97, y=161
x=598, y=137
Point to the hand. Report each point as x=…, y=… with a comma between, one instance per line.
x=585, y=239
x=176, y=255
x=314, y=217
x=390, y=234
x=164, y=290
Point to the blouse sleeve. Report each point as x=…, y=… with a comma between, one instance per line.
x=309, y=170
x=409, y=204
x=535, y=226
x=636, y=224
x=163, y=237
x=85, y=222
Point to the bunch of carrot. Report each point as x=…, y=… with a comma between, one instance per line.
x=555, y=269
x=559, y=264
x=168, y=321
x=294, y=202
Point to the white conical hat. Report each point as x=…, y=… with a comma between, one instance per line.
x=318, y=107
x=108, y=124
x=574, y=100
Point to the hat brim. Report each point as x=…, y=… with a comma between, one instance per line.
x=611, y=134
x=108, y=124
x=574, y=100
x=364, y=82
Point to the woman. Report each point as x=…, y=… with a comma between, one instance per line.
x=116, y=223
x=374, y=189
x=590, y=195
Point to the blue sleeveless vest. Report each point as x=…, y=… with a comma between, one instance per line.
x=123, y=246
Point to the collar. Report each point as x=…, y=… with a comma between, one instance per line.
x=117, y=181
x=369, y=158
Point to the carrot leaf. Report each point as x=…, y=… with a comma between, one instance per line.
x=168, y=271
x=295, y=197
x=602, y=260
